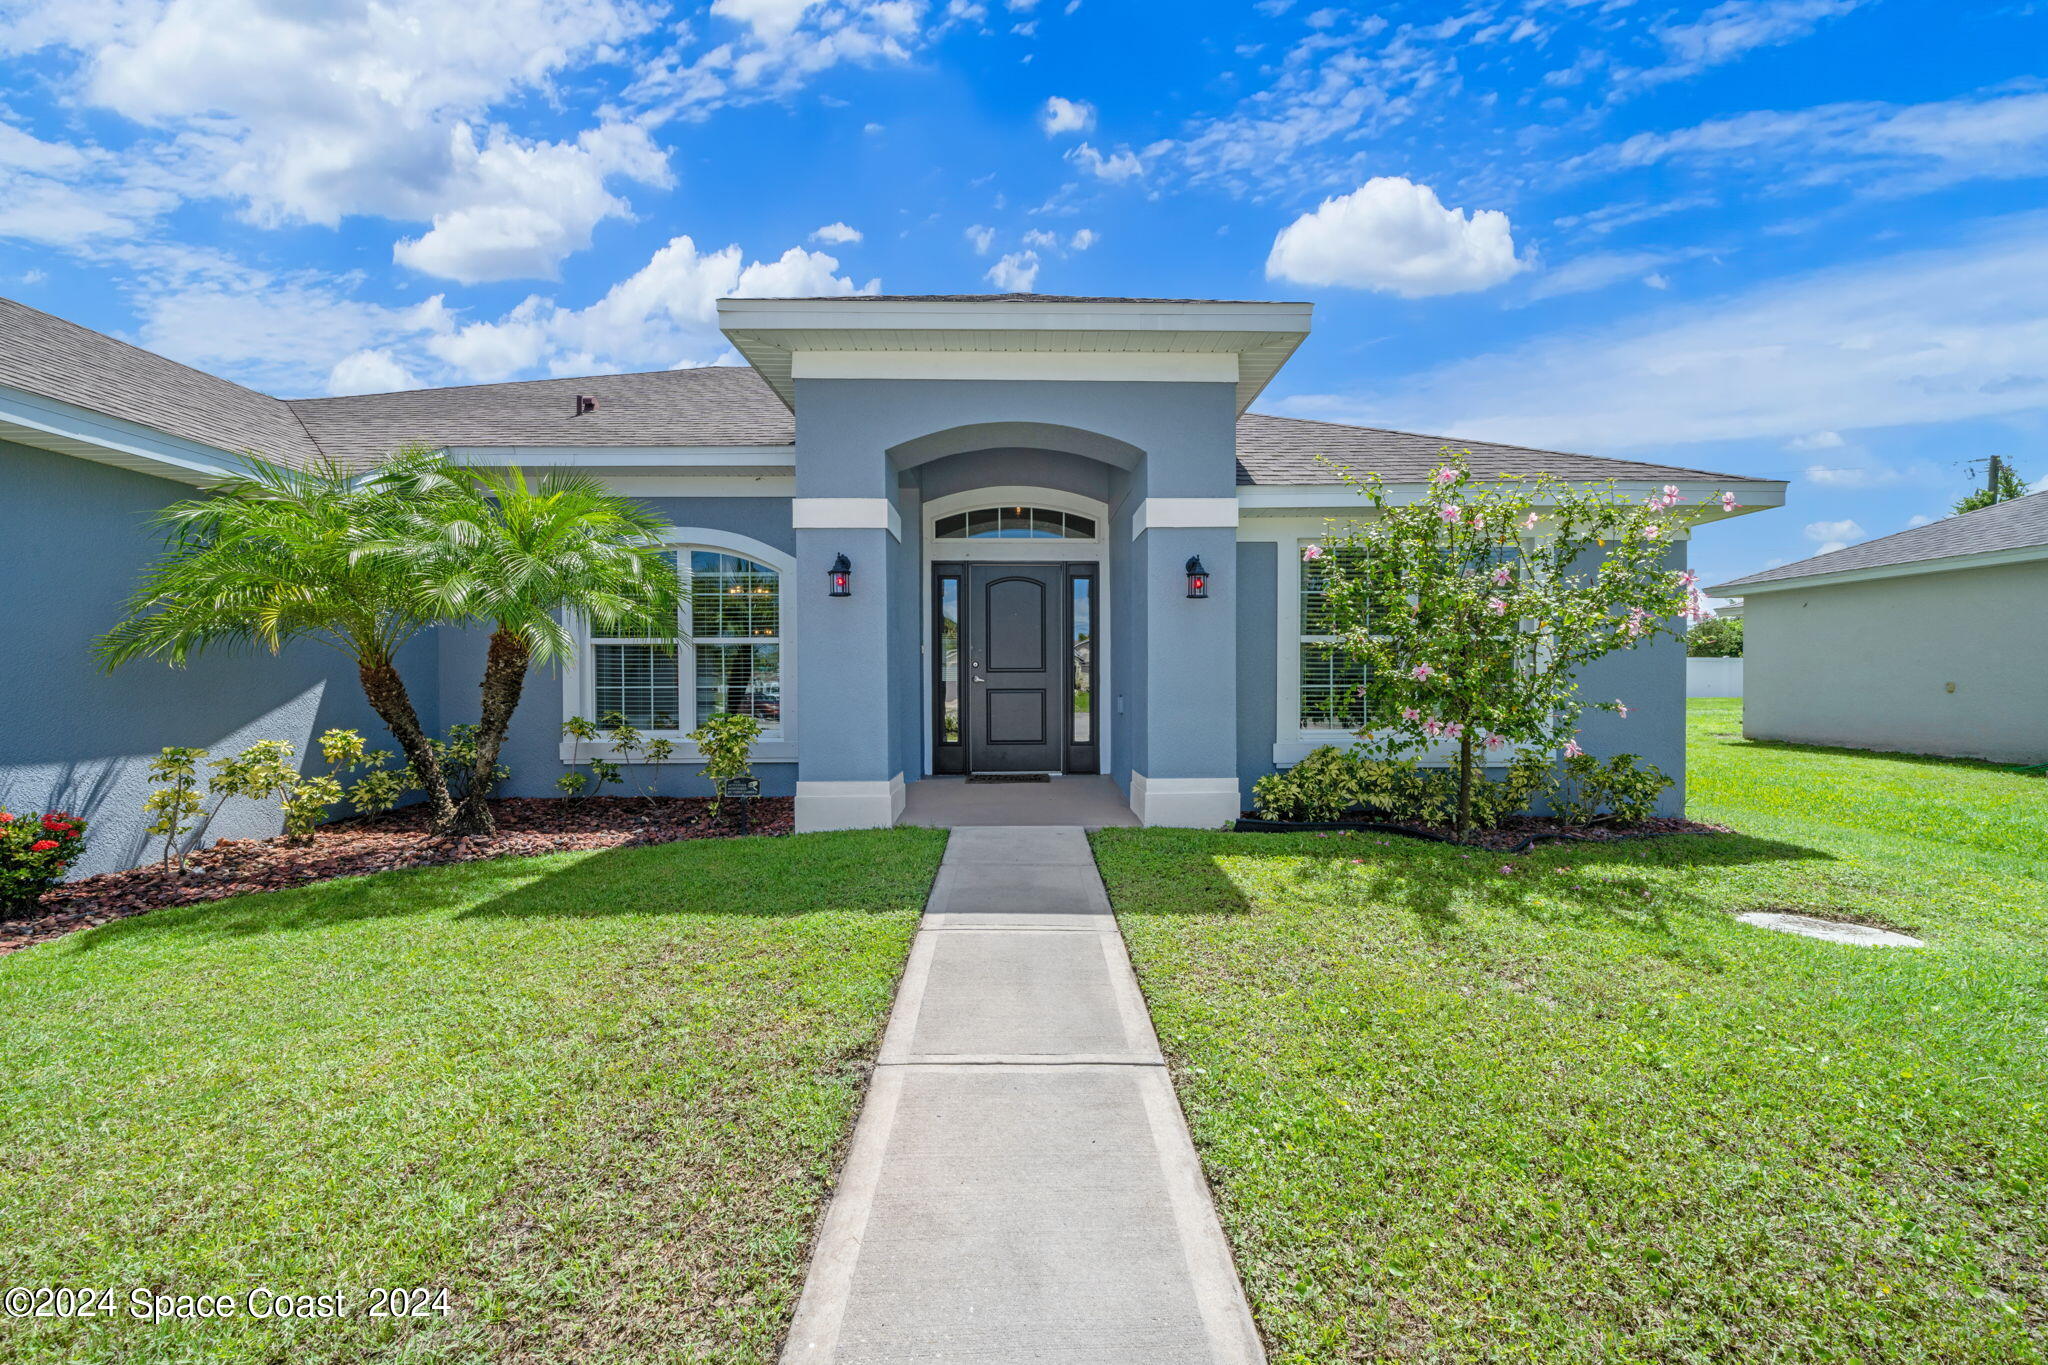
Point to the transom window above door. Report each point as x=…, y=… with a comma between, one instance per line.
x=1014, y=523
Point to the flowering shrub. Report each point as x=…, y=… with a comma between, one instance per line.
x=1472, y=608
x=35, y=851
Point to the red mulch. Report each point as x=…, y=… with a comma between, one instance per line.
x=378, y=843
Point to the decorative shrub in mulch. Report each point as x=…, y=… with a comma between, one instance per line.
x=378, y=843
x=1511, y=836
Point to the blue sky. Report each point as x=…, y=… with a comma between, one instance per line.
x=1790, y=238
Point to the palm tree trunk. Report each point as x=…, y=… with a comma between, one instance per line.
x=504, y=680
x=393, y=704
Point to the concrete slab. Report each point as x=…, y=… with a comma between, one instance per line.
x=1834, y=931
x=1051, y=846
x=956, y=803
x=993, y=996
x=1021, y=1186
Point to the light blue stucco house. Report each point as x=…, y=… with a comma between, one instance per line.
x=1016, y=485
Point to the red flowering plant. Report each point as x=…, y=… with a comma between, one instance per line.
x=35, y=851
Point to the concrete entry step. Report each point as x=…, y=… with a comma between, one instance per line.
x=955, y=803
x=1021, y=1186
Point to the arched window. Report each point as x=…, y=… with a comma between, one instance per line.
x=1014, y=523
x=728, y=661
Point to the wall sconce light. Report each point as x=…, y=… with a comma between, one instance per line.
x=1198, y=577
x=841, y=576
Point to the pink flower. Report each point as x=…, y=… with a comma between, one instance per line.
x=1496, y=606
x=1450, y=512
x=1572, y=749
x=1447, y=475
x=1686, y=578
x=1672, y=497
x=1529, y=522
x=1728, y=502
x=1494, y=741
x=1311, y=553
x=1432, y=727
x=1453, y=730
x=1422, y=673
x=1621, y=707
x=1479, y=519
x=1650, y=533
x=1502, y=574
x=1409, y=713
x=1506, y=868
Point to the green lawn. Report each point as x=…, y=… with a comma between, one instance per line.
x=1576, y=1112
x=598, y=1097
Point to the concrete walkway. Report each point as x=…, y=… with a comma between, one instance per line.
x=1021, y=1186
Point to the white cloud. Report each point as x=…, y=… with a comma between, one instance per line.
x=1849, y=476
x=1909, y=338
x=1395, y=236
x=1728, y=31
x=1600, y=269
x=1066, y=116
x=1894, y=148
x=1118, y=166
x=1816, y=440
x=1834, y=533
x=836, y=234
x=1083, y=238
x=1919, y=519
x=369, y=371
x=1015, y=273
x=310, y=114
x=981, y=238
x=1041, y=239
x=766, y=49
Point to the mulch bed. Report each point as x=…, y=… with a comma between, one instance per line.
x=378, y=843
x=1512, y=836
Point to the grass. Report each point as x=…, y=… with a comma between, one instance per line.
x=1576, y=1112
x=597, y=1097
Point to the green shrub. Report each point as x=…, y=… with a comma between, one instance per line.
x=457, y=755
x=35, y=851
x=1717, y=637
x=1621, y=791
x=727, y=743
x=1333, y=784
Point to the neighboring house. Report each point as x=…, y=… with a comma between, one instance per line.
x=1021, y=479
x=1934, y=640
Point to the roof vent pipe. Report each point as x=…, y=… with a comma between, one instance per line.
x=585, y=403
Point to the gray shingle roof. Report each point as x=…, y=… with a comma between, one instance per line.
x=1009, y=298
x=48, y=356
x=714, y=406
x=2019, y=524
x=1283, y=450
x=711, y=406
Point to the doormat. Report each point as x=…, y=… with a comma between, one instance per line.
x=1010, y=777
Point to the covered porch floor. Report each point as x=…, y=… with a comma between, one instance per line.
x=955, y=803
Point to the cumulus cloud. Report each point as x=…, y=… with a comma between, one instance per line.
x=1083, y=238
x=310, y=114
x=1115, y=167
x=1015, y=273
x=836, y=234
x=1831, y=350
x=370, y=371
x=1066, y=116
x=1834, y=535
x=1397, y=237
x=981, y=238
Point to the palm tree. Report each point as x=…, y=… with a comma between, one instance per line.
x=497, y=550
x=275, y=555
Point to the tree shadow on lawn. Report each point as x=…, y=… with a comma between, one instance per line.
x=760, y=877
x=1578, y=885
x=2036, y=771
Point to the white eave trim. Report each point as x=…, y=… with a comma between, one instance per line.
x=1165, y=512
x=860, y=314
x=778, y=458
x=845, y=514
x=1987, y=559
x=1200, y=367
x=32, y=419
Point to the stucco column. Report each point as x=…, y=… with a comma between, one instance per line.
x=848, y=776
x=1188, y=713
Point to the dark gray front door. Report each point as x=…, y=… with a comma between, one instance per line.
x=1016, y=668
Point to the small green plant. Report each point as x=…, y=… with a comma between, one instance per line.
x=604, y=771
x=35, y=852
x=659, y=752
x=1621, y=791
x=458, y=753
x=727, y=743
x=572, y=784
x=174, y=806
x=581, y=732
x=1334, y=784
x=380, y=788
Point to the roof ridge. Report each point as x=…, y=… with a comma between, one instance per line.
x=520, y=383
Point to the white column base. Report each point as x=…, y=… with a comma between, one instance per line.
x=1184, y=802
x=848, y=805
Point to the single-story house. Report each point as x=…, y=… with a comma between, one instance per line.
x=1931, y=641
x=1017, y=484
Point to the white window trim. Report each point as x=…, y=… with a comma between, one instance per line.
x=578, y=681
x=1047, y=551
